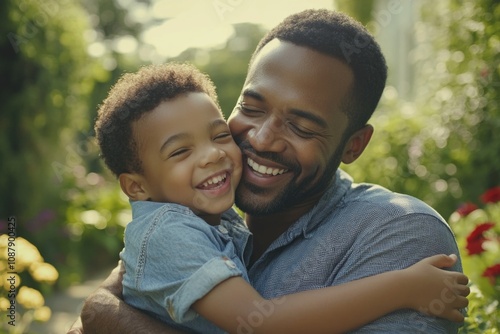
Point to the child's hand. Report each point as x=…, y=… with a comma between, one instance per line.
x=438, y=292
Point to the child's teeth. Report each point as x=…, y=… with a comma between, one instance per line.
x=214, y=180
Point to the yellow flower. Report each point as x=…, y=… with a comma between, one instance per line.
x=26, y=254
x=3, y=266
x=3, y=245
x=4, y=303
x=42, y=314
x=30, y=298
x=43, y=272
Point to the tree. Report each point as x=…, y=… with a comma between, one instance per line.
x=444, y=146
x=461, y=90
x=46, y=69
x=227, y=66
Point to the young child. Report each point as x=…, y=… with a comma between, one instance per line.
x=161, y=132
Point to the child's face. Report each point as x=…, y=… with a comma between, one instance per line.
x=188, y=154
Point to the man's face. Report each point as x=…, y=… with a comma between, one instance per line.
x=289, y=125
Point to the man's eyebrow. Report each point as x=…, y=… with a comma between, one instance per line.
x=297, y=112
x=216, y=123
x=310, y=116
x=251, y=93
x=173, y=139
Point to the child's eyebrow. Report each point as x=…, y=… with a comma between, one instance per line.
x=170, y=140
x=180, y=136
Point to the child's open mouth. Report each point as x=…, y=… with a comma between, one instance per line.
x=214, y=182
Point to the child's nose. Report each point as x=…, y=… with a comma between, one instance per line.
x=212, y=155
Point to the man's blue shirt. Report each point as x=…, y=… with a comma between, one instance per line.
x=357, y=230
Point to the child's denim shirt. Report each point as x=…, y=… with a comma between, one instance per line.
x=173, y=258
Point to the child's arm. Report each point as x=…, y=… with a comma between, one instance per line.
x=235, y=306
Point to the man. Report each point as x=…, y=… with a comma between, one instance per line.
x=312, y=85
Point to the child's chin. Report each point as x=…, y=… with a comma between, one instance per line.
x=218, y=208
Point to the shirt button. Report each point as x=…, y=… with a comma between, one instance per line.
x=222, y=229
x=230, y=264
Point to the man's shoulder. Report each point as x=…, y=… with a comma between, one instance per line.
x=369, y=207
x=345, y=195
x=382, y=199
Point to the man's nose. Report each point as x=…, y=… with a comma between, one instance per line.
x=268, y=136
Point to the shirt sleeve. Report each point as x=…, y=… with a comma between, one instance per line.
x=183, y=259
x=397, y=244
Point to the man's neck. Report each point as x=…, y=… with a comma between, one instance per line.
x=267, y=228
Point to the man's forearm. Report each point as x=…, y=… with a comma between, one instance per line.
x=105, y=313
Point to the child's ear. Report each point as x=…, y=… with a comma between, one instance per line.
x=133, y=186
x=357, y=144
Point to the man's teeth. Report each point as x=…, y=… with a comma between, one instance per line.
x=263, y=169
x=214, y=180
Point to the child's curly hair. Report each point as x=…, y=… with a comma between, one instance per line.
x=134, y=95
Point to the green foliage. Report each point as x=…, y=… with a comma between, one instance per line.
x=94, y=221
x=48, y=168
x=45, y=64
x=443, y=147
x=227, y=66
x=390, y=156
x=465, y=97
x=361, y=10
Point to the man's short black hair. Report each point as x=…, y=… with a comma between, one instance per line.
x=134, y=95
x=339, y=36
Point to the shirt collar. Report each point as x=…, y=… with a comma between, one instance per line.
x=331, y=199
x=141, y=208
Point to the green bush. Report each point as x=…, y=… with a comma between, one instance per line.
x=443, y=147
x=48, y=161
x=47, y=71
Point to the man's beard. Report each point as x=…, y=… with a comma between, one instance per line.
x=294, y=193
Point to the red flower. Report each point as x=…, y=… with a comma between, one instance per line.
x=484, y=73
x=476, y=238
x=465, y=208
x=492, y=273
x=491, y=195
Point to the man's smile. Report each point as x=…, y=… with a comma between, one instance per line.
x=265, y=170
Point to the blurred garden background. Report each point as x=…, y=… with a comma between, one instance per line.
x=62, y=215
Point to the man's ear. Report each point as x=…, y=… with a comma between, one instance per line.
x=133, y=186
x=357, y=144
